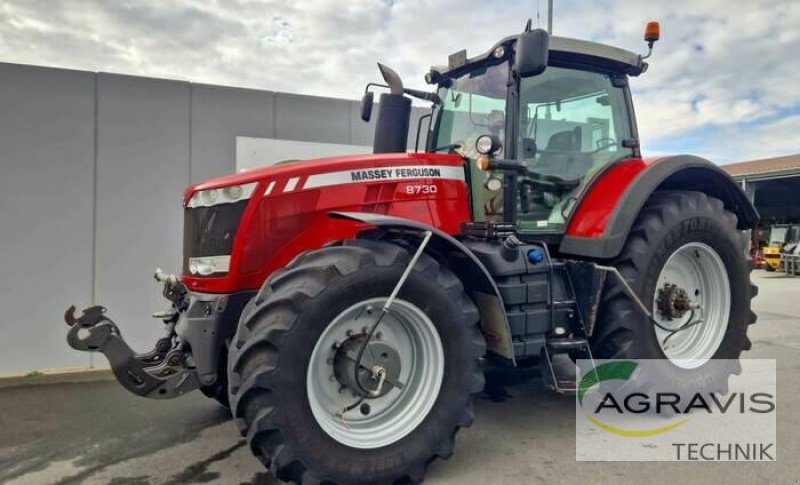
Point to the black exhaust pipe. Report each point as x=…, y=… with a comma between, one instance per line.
x=394, y=115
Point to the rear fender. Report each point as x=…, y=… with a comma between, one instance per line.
x=476, y=279
x=599, y=226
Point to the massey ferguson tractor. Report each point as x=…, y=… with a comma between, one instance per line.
x=345, y=308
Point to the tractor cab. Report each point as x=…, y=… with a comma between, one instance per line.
x=535, y=118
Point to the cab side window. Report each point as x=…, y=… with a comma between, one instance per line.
x=572, y=123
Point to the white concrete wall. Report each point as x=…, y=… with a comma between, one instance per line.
x=262, y=152
x=92, y=170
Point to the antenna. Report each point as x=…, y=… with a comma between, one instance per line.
x=538, y=16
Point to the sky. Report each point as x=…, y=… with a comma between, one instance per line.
x=723, y=83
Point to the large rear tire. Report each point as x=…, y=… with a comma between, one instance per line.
x=280, y=383
x=689, y=239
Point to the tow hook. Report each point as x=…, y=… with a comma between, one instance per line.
x=162, y=373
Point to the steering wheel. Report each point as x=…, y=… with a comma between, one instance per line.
x=549, y=183
x=604, y=144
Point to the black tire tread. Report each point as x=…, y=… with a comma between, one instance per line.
x=273, y=313
x=617, y=315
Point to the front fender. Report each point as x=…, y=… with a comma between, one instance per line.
x=475, y=277
x=599, y=226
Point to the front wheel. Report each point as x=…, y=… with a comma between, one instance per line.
x=312, y=410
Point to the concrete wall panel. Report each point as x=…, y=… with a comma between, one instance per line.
x=311, y=118
x=46, y=193
x=142, y=170
x=219, y=115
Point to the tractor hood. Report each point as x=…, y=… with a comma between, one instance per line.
x=301, y=170
x=240, y=228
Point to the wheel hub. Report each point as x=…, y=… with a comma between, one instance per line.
x=413, y=370
x=377, y=371
x=673, y=302
x=692, y=305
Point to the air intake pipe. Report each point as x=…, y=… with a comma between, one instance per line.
x=391, y=128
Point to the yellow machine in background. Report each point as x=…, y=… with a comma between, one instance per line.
x=779, y=236
x=772, y=258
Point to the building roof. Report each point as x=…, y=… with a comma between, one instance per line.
x=789, y=164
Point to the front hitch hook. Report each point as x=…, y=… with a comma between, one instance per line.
x=158, y=374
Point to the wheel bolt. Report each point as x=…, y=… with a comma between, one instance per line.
x=365, y=409
x=370, y=310
x=349, y=333
x=332, y=378
x=378, y=336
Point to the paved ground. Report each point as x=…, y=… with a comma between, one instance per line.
x=97, y=433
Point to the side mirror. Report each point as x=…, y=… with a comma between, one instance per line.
x=532, y=53
x=366, y=105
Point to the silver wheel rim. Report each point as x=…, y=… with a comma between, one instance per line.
x=396, y=414
x=699, y=270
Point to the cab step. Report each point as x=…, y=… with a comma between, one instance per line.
x=560, y=370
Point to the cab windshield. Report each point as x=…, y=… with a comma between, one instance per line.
x=569, y=124
x=473, y=104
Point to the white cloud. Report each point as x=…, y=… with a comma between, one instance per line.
x=735, y=143
x=722, y=65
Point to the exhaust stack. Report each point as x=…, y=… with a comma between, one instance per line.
x=391, y=128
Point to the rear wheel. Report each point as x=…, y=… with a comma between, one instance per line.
x=309, y=412
x=685, y=258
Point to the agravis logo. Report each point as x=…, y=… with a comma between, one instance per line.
x=638, y=410
x=658, y=400
x=618, y=370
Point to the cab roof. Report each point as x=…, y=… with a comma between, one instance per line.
x=563, y=50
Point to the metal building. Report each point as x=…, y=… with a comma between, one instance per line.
x=773, y=185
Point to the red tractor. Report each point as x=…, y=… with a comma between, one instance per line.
x=345, y=308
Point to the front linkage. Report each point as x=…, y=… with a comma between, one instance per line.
x=164, y=372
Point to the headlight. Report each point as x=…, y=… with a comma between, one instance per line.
x=207, y=265
x=233, y=193
x=226, y=195
x=209, y=196
x=487, y=144
x=493, y=184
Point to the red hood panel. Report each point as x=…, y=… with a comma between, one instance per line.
x=322, y=165
x=287, y=213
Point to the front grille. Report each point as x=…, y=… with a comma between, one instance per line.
x=209, y=231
